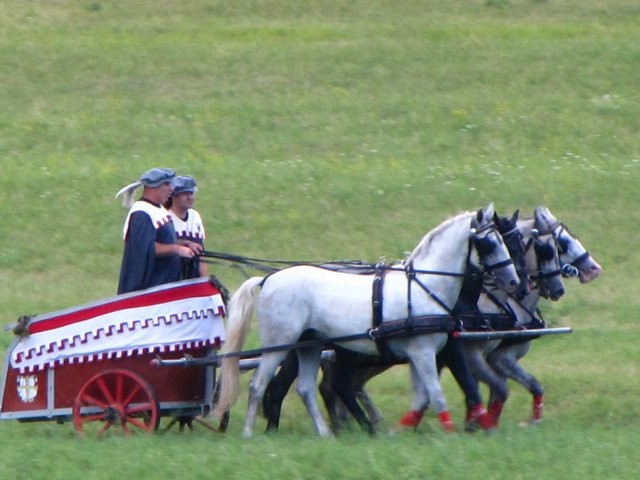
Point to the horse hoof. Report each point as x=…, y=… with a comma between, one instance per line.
x=478, y=418
x=471, y=426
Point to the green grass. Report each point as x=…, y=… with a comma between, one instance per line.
x=331, y=130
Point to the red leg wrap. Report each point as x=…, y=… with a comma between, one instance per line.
x=538, y=403
x=411, y=419
x=477, y=414
x=495, y=409
x=445, y=421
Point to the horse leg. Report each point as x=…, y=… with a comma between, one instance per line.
x=339, y=415
x=426, y=370
x=372, y=411
x=412, y=418
x=308, y=365
x=345, y=386
x=363, y=375
x=483, y=372
x=269, y=362
x=426, y=386
x=277, y=390
x=505, y=361
x=453, y=355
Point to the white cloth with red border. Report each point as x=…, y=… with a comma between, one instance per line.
x=173, y=317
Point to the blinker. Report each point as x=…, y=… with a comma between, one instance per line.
x=544, y=251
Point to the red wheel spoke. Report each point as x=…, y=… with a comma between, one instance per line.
x=138, y=423
x=98, y=417
x=119, y=387
x=125, y=428
x=88, y=400
x=132, y=394
x=104, y=389
x=106, y=426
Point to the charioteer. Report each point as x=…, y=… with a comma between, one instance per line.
x=151, y=254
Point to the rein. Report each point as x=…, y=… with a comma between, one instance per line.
x=358, y=267
x=380, y=330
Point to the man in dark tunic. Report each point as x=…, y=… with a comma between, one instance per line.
x=151, y=252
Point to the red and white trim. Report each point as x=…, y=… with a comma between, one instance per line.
x=169, y=318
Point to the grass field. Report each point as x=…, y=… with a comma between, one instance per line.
x=331, y=130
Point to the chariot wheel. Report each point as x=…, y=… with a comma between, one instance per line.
x=116, y=398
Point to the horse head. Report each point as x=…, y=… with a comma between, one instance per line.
x=493, y=254
x=545, y=262
x=512, y=237
x=575, y=259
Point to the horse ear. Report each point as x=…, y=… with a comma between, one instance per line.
x=515, y=216
x=539, y=216
x=490, y=210
x=548, y=215
x=484, y=215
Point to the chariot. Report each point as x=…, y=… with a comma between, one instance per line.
x=93, y=363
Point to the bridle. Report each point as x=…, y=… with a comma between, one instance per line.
x=474, y=241
x=544, y=251
x=515, y=243
x=568, y=270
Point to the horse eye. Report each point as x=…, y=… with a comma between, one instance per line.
x=544, y=252
x=484, y=246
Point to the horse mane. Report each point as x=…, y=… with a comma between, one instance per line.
x=425, y=244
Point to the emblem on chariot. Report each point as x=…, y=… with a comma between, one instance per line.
x=27, y=386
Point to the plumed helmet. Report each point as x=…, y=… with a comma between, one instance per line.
x=151, y=178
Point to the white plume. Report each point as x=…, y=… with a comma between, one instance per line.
x=127, y=192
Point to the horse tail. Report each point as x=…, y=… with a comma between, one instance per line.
x=241, y=308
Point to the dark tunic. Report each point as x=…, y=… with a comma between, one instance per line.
x=140, y=267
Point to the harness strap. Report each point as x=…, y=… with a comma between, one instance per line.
x=376, y=295
x=580, y=259
x=369, y=334
x=376, y=303
x=411, y=276
x=485, y=321
x=439, y=323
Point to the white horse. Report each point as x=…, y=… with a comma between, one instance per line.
x=502, y=357
x=335, y=305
